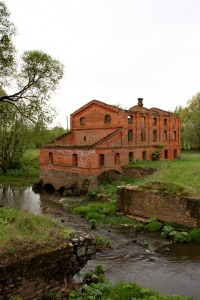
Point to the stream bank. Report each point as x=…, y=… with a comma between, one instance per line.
x=171, y=272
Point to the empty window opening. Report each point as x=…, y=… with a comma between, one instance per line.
x=165, y=122
x=154, y=136
x=175, y=153
x=144, y=155
x=82, y=121
x=154, y=121
x=50, y=158
x=74, y=160
x=143, y=135
x=174, y=135
x=130, y=135
x=101, y=160
x=84, y=138
x=166, y=154
x=131, y=156
x=107, y=119
x=117, y=158
x=165, y=136
x=130, y=119
x=143, y=120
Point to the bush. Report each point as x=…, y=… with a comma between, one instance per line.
x=180, y=237
x=99, y=241
x=153, y=225
x=195, y=234
x=93, y=216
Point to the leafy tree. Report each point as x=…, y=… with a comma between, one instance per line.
x=7, y=49
x=33, y=81
x=190, y=119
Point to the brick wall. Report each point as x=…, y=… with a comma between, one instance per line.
x=184, y=211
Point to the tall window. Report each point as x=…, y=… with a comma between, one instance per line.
x=84, y=138
x=131, y=157
x=175, y=153
x=130, y=135
x=166, y=154
x=74, y=160
x=82, y=121
x=107, y=119
x=130, y=119
x=155, y=136
x=143, y=120
x=165, y=136
x=165, y=122
x=174, y=135
x=143, y=135
x=144, y=155
x=50, y=158
x=154, y=121
x=101, y=160
x=117, y=158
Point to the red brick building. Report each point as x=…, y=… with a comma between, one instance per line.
x=104, y=138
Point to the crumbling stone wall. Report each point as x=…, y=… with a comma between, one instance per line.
x=53, y=269
x=184, y=211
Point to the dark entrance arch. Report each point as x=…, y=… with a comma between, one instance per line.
x=109, y=175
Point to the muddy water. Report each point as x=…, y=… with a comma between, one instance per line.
x=176, y=271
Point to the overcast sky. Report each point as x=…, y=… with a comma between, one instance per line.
x=115, y=51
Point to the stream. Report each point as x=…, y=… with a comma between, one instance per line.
x=174, y=271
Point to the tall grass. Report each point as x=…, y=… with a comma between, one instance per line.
x=21, y=230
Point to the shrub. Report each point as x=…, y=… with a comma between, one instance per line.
x=180, y=237
x=153, y=224
x=93, y=216
x=166, y=230
x=195, y=234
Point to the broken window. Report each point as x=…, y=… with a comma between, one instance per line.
x=101, y=160
x=130, y=135
x=166, y=154
x=165, y=136
x=143, y=135
x=82, y=121
x=130, y=119
x=131, y=157
x=117, y=158
x=50, y=158
x=154, y=121
x=174, y=135
x=107, y=119
x=143, y=120
x=155, y=136
x=74, y=160
x=144, y=155
x=165, y=122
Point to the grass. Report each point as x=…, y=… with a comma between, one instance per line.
x=184, y=172
x=22, y=231
x=25, y=173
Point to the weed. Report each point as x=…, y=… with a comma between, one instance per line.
x=48, y=295
x=99, y=241
x=195, y=234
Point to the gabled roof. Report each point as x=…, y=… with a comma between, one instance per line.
x=98, y=103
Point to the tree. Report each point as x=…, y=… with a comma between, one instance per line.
x=7, y=49
x=190, y=119
x=35, y=80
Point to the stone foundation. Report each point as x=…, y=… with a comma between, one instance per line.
x=184, y=211
x=52, y=270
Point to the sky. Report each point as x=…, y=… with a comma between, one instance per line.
x=115, y=51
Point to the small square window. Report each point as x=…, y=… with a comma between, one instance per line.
x=107, y=119
x=82, y=121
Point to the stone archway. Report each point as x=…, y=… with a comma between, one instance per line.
x=111, y=175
